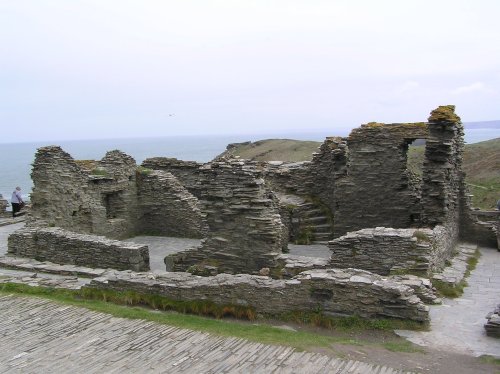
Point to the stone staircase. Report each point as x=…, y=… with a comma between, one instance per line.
x=311, y=218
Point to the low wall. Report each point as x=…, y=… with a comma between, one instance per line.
x=66, y=247
x=385, y=250
x=334, y=291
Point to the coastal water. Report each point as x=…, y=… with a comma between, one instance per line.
x=16, y=159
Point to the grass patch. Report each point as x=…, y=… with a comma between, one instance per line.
x=448, y=290
x=352, y=323
x=452, y=291
x=403, y=346
x=487, y=359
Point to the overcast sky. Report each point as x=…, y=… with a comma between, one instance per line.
x=74, y=69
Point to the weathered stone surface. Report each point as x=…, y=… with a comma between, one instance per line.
x=492, y=326
x=66, y=247
x=384, y=250
x=246, y=231
x=335, y=292
x=167, y=208
x=187, y=172
x=3, y=205
x=293, y=265
x=376, y=189
x=111, y=197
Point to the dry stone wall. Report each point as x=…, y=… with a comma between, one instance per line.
x=167, y=208
x=66, y=247
x=3, y=205
x=187, y=172
x=376, y=189
x=384, y=250
x=343, y=292
x=246, y=231
x=111, y=197
x=61, y=194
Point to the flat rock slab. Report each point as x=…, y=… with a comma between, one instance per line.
x=40, y=336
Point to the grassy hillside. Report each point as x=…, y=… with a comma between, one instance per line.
x=276, y=150
x=481, y=162
x=482, y=166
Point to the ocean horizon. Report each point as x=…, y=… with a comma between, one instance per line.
x=16, y=158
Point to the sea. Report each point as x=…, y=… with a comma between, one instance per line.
x=16, y=158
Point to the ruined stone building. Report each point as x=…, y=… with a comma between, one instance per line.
x=377, y=216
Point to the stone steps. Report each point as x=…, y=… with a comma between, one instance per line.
x=314, y=218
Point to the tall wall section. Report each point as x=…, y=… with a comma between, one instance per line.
x=246, y=231
x=111, y=197
x=167, y=208
x=376, y=189
x=443, y=184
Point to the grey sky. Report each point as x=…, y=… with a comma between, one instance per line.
x=96, y=69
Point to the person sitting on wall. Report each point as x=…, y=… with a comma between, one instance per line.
x=16, y=201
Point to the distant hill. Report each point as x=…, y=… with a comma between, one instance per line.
x=481, y=161
x=274, y=150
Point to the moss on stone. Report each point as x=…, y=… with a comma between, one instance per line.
x=444, y=113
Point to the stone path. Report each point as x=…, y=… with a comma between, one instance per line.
x=457, y=324
x=40, y=336
x=5, y=231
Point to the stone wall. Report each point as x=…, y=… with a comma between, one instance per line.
x=333, y=291
x=187, y=172
x=246, y=231
x=376, y=189
x=393, y=251
x=479, y=226
x=3, y=205
x=167, y=208
x=60, y=194
x=443, y=185
x=66, y=247
x=382, y=250
x=106, y=198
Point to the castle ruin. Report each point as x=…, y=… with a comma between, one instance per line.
x=378, y=218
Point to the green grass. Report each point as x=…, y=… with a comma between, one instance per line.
x=487, y=359
x=277, y=150
x=453, y=291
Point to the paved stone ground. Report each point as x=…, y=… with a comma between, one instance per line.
x=39, y=336
x=5, y=231
x=457, y=324
x=160, y=246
